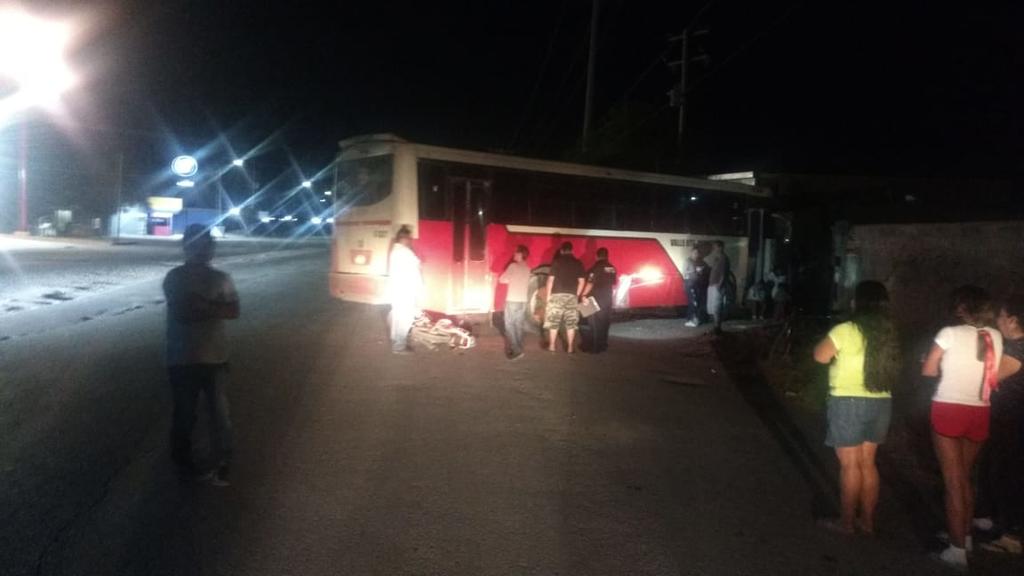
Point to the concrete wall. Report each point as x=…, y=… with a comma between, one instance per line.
x=922, y=263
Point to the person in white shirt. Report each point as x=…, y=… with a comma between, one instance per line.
x=965, y=359
x=199, y=299
x=405, y=284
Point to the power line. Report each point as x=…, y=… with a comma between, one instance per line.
x=745, y=46
x=540, y=77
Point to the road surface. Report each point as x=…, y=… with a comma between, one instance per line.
x=645, y=460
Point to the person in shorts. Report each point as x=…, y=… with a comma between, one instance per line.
x=965, y=359
x=565, y=284
x=718, y=264
x=864, y=359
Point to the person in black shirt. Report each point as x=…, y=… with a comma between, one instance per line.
x=601, y=279
x=1002, y=478
x=565, y=284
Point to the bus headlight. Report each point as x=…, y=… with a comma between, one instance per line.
x=360, y=257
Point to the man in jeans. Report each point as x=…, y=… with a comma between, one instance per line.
x=517, y=277
x=199, y=299
x=695, y=279
x=565, y=284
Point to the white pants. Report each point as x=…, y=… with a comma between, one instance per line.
x=402, y=316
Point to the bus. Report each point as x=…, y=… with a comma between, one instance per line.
x=469, y=210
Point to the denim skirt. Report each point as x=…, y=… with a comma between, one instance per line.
x=853, y=421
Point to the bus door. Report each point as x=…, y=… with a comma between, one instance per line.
x=470, y=206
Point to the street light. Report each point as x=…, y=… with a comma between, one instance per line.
x=328, y=192
x=33, y=67
x=307, y=184
x=238, y=162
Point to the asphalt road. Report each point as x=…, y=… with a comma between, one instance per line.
x=645, y=460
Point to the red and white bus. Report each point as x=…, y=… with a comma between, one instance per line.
x=469, y=210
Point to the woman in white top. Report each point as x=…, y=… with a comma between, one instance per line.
x=965, y=358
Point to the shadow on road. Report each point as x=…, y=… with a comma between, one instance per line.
x=740, y=362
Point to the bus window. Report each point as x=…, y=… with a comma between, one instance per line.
x=364, y=181
x=479, y=194
x=433, y=194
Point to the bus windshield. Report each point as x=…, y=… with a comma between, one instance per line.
x=363, y=181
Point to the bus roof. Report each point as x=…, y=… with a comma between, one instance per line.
x=555, y=167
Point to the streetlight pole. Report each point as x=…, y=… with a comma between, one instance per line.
x=32, y=58
x=23, y=177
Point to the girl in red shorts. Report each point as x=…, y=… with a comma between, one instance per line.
x=965, y=358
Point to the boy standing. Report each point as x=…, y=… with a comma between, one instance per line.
x=517, y=277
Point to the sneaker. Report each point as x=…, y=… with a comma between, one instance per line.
x=220, y=477
x=691, y=324
x=517, y=356
x=954, y=557
x=1006, y=544
x=983, y=524
x=943, y=538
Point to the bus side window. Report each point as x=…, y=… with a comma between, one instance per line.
x=479, y=213
x=433, y=194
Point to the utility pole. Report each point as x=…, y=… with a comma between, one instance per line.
x=684, y=43
x=677, y=96
x=23, y=177
x=589, y=101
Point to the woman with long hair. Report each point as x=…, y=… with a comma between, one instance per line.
x=864, y=358
x=965, y=359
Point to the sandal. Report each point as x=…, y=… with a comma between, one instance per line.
x=1004, y=545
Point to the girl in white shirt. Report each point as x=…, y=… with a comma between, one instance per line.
x=965, y=358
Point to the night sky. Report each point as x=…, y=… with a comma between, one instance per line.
x=913, y=88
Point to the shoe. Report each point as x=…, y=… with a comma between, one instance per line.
x=221, y=477
x=1006, y=544
x=833, y=525
x=402, y=352
x=955, y=558
x=517, y=356
x=690, y=324
x=983, y=524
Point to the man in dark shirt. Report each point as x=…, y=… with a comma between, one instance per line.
x=695, y=280
x=601, y=279
x=565, y=284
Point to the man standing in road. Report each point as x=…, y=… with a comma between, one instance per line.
x=517, y=277
x=199, y=299
x=695, y=276
x=601, y=279
x=565, y=284
x=718, y=262
x=405, y=282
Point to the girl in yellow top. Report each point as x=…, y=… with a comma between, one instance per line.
x=864, y=363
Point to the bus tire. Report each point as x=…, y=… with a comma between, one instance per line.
x=537, y=299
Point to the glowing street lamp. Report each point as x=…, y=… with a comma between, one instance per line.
x=34, y=72
x=328, y=192
x=307, y=184
x=32, y=60
x=238, y=162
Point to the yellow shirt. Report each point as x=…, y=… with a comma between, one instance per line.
x=846, y=374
